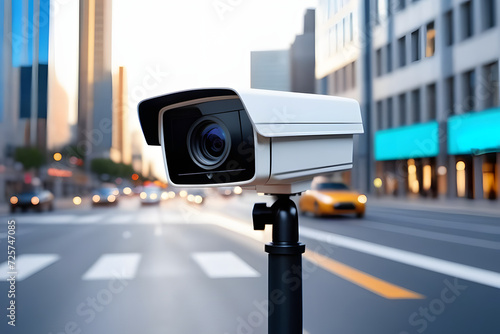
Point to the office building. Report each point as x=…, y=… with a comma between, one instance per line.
x=340, y=66
x=270, y=70
x=121, y=150
x=95, y=92
x=432, y=103
x=302, y=57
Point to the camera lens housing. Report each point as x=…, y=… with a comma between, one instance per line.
x=208, y=142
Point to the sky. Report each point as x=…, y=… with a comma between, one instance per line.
x=168, y=45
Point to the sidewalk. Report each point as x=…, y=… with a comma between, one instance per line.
x=457, y=205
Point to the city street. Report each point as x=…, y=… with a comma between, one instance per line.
x=181, y=268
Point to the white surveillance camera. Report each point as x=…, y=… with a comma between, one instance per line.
x=273, y=142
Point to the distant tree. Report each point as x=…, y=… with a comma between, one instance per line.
x=102, y=166
x=30, y=157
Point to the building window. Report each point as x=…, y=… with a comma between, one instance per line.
x=351, y=27
x=430, y=45
x=448, y=26
x=353, y=74
x=415, y=105
x=344, y=39
x=336, y=82
x=400, y=5
x=389, y=58
x=402, y=109
x=378, y=62
x=431, y=101
x=468, y=86
x=381, y=6
x=380, y=117
x=491, y=85
x=389, y=112
x=450, y=95
x=402, y=51
x=488, y=14
x=466, y=19
x=344, y=78
x=415, y=45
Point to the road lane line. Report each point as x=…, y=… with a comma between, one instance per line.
x=457, y=239
x=449, y=224
x=112, y=266
x=364, y=280
x=223, y=265
x=27, y=265
x=473, y=274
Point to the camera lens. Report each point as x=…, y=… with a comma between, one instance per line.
x=208, y=143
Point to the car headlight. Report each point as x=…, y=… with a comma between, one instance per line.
x=164, y=195
x=153, y=196
x=143, y=195
x=14, y=200
x=362, y=199
x=111, y=198
x=96, y=198
x=198, y=199
x=35, y=200
x=325, y=199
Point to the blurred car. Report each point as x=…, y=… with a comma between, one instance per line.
x=332, y=198
x=196, y=197
x=105, y=196
x=228, y=191
x=152, y=195
x=38, y=199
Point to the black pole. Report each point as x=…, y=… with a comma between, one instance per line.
x=285, y=265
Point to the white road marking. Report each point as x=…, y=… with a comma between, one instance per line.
x=434, y=235
x=49, y=219
x=27, y=265
x=223, y=265
x=473, y=274
x=90, y=219
x=113, y=266
x=120, y=219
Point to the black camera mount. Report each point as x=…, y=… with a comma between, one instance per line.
x=285, y=264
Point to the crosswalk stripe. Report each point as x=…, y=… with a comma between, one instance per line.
x=50, y=219
x=120, y=219
x=223, y=265
x=113, y=266
x=90, y=219
x=27, y=265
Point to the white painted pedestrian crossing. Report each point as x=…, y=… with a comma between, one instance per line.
x=223, y=265
x=27, y=265
x=113, y=266
x=90, y=219
x=120, y=219
x=126, y=266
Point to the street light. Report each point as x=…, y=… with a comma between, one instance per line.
x=57, y=156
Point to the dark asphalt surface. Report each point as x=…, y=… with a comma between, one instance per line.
x=170, y=292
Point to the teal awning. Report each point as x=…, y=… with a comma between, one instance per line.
x=474, y=133
x=407, y=142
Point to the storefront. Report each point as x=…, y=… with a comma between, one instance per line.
x=473, y=147
x=406, y=160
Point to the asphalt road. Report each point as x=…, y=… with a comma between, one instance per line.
x=180, y=268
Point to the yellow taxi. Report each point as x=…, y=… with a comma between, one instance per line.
x=332, y=198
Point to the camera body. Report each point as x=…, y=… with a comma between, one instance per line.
x=273, y=142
